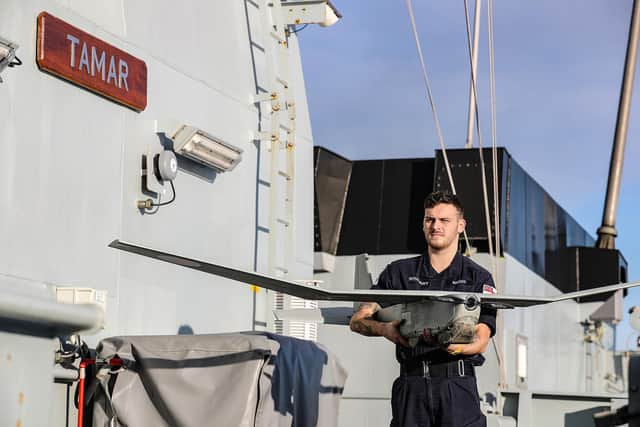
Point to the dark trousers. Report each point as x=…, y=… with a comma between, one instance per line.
x=418, y=401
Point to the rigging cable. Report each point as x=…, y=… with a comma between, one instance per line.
x=494, y=148
x=482, y=165
x=433, y=108
x=496, y=347
x=494, y=153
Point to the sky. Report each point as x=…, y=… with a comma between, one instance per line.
x=558, y=71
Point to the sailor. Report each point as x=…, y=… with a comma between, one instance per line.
x=437, y=385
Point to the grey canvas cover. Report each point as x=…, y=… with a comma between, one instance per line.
x=243, y=379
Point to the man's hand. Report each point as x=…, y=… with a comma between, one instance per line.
x=479, y=344
x=363, y=323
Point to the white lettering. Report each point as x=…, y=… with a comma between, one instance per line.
x=84, y=58
x=112, y=71
x=123, y=72
x=74, y=41
x=97, y=63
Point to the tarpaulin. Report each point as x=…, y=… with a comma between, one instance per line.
x=217, y=380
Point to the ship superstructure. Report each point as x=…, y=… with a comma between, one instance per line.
x=103, y=90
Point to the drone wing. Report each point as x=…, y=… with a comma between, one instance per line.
x=311, y=292
x=305, y=291
x=506, y=301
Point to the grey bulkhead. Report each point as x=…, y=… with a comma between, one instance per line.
x=73, y=165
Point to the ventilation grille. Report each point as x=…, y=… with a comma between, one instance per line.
x=302, y=330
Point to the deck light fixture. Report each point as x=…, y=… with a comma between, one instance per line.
x=7, y=55
x=521, y=360
x=203, y=148
x=321, y=12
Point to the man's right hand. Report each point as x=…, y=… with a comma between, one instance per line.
x=362, y=322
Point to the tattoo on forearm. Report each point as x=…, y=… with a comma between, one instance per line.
x=362, y=327
x=362, y=321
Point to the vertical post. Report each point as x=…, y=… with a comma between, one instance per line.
x=607, y=232
x=474, y=80
x=634, y=391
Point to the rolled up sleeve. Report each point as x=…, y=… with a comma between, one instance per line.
x=487, y=315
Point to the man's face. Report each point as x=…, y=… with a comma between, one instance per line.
x=442, y=225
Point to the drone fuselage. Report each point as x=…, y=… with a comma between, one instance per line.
x=444, y=322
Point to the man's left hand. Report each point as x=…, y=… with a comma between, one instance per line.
x=479, y=344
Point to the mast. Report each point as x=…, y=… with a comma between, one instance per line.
x=474, y=80
x=607, y=232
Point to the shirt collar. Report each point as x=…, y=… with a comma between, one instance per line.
x=454, y=269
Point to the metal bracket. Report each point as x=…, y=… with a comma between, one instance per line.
x=151, y=182
x=264, y=97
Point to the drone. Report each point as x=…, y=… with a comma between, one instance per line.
x=448, y=316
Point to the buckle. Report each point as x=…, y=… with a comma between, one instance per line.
x=425, y=369
x=461, y=368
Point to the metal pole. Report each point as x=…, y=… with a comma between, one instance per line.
x=474, y=66
x=607, y=232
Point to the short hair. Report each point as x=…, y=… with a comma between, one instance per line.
x=438, y=197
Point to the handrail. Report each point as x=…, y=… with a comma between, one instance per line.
x=33, y=315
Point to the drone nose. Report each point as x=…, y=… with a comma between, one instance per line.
x=471, y=302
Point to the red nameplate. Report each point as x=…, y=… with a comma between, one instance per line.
x=81, y=58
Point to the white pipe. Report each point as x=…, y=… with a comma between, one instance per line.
x=64, y=374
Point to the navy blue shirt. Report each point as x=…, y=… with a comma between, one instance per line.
x=416, y=273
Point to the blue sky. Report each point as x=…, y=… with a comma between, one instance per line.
x=558, y=73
